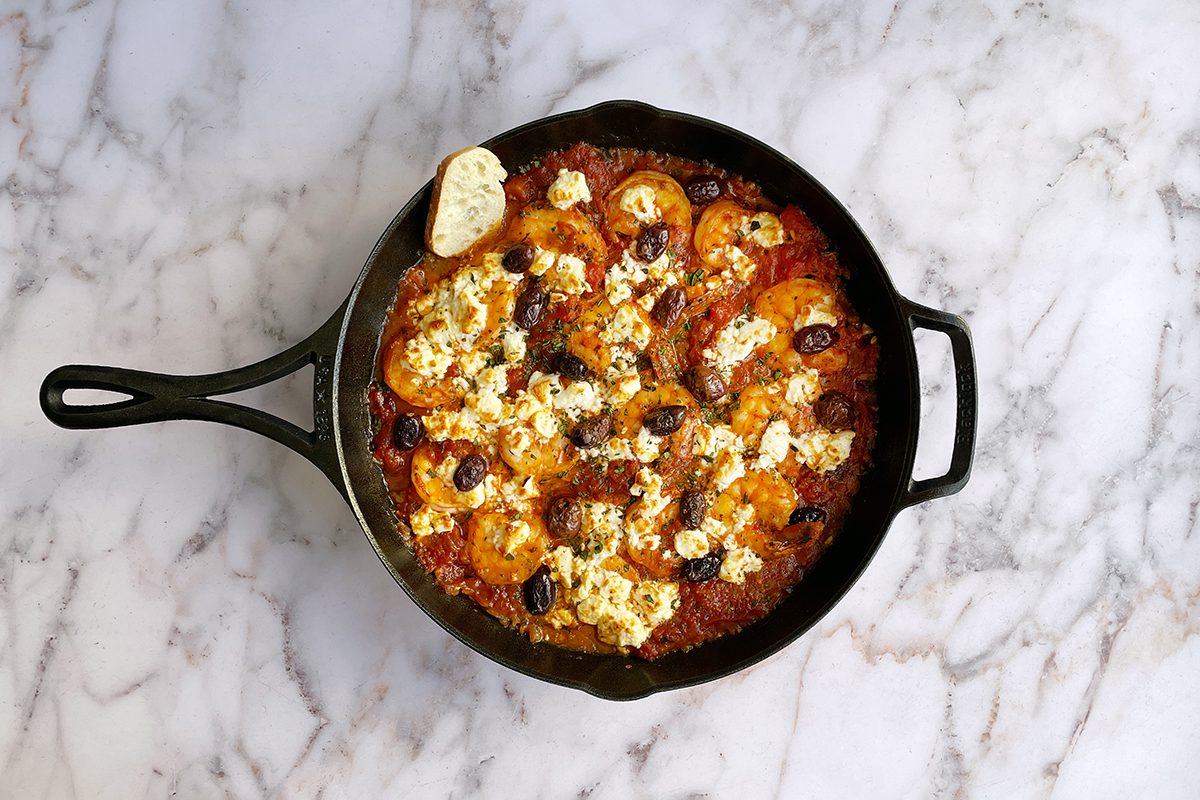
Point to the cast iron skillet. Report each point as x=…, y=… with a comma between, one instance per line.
x=343, y=351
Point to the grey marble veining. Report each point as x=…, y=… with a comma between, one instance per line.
x=191, y=611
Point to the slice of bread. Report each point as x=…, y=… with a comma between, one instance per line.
x=468, y=201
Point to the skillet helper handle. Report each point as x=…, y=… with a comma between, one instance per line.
x=155, y=397
x=918, y=491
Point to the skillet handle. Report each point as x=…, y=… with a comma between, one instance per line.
x=964, y=427
x=155, y=397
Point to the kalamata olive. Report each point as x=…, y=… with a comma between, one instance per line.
x=592, y=431
x=806, y=514
x=407, y=432
x=652, y=242
x=539, y=591
x=692, y=508
x=664, y=420
x=519, y=258
x=814, y=339
x=834, y=411
x=470, y=472
x=704, y=568
x=701, y=189
x=705, y=384
x=564, y=517
x=669, y=306
x=571, y=366
x=530, y=307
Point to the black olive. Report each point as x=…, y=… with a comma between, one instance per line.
x=519, y=258
x=539, y=591
x=564, y=517
x=806, y=514
x=704, y=568
x=571, y=366
x=407, y=432
x=530, y=307
x=592, y=431
x=669, y=306
x=834, y=411
x=664, y=420
x=652, y=242
x=814, y=339
x=705, y=384
x=692, y=508
x=470, y=472
x=701, y=189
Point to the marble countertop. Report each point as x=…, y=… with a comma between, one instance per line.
x=191, y=611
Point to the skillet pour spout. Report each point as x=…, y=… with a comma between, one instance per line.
x=343, y=351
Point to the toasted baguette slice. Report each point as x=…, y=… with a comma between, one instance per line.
x=468, y=201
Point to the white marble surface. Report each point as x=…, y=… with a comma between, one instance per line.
x=190, y=611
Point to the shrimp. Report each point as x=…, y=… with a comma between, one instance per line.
x=653, y=551
x=725, y=228
x=528, y=453
x=792, y=305
x=603, y=336
x=629, y=418
x=559, y=231
x=506, y=548
x=757, y=404
x=454, y=322
x=768, y=493
x=433, y=478
x=646, y=197
x=412, y=387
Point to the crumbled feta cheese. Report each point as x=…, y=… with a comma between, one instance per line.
x=627, y=327
x=662, y=269
x=740, y=265
x=624, y=612
x=818, y=312
x=446, y=423
x=578, y=399
x=471, y=362
x=602, y=528
x=768, y=232
x=426, y=521
x=736, y=341
x=543, y=260
x=615, y=449
x=535, y=405
x=622, y=277
x=803, y=387
x=571, y=275
x=518, y=489
x=656, y=600
x=562, y=618
x=691, y=543
x=562, y=565
x=639, y=201
x=739, y=562
x=493, y=264
x=712, y=440
x=646, y=446
x=514, y=533
x=604, y=601
x=514, y=346
x=822, y=451
x=774, y=445
x=569, y=188
x=624, y=387
x=729, y=469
